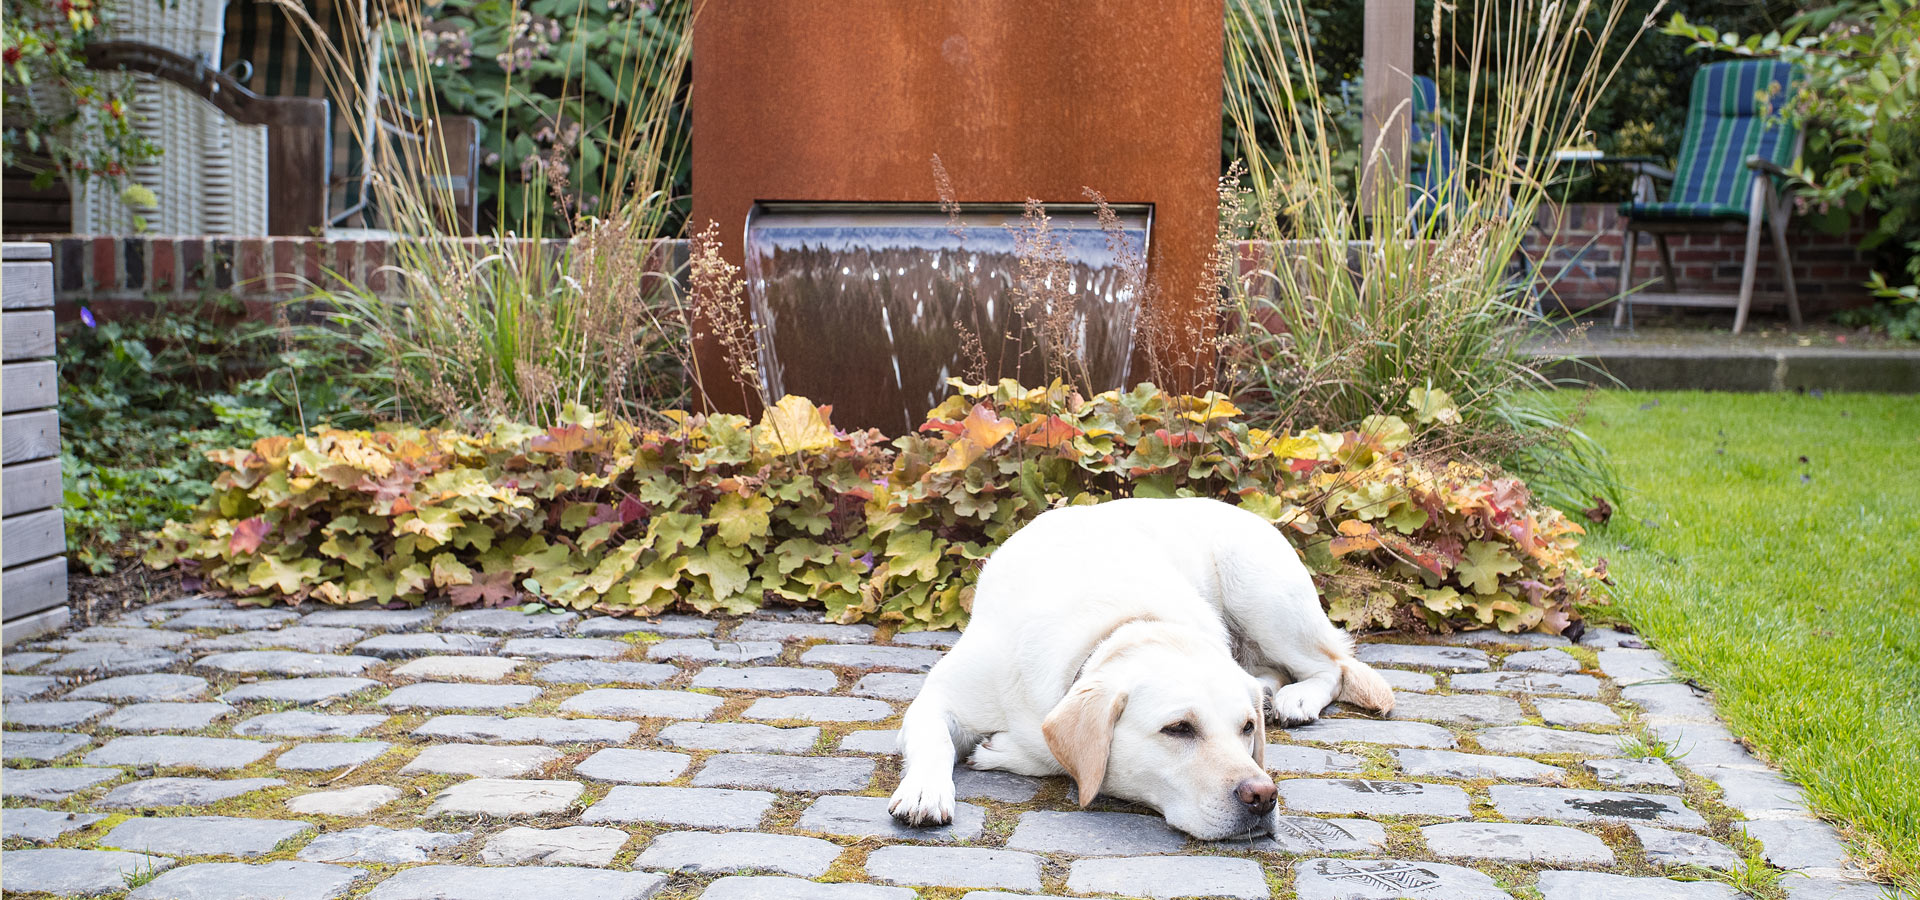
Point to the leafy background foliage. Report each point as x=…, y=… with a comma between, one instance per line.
x=722, y=514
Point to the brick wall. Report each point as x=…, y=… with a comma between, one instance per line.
x=1829, y=269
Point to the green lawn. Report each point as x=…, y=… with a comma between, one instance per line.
x=1770, y=545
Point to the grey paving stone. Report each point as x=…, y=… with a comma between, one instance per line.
x=230, y=619
x=1757, y=795
x=1839, y=889
x=1601, y=886
x=353, y=801
x=1646, y=772
x=127, y=637
x=23, y=661
x=470, y=668
x=52, y=713
x=1493, y=637
x=41, y=746
x=1094, y=834
x=1405, y=680
x=738, y=736
x=1533, y=739
x=1680, y=849
x=1558, y=662
x=772, y=679
x=862, y=817
x=1607, y=637
x=1351, y=796
x=1424, y=656
x=51, y=784
x=155, y=792
x=618, y=764
x=1701, y=745
x=1473, y=766
x=957, y=867
x=1002, y=787
x=75, y=873
x=26, y=687
x=43, y=825
x=286, y=880
x=803, y=631
x=809, y=774
x=113, y=661
x=1373, y=731
x=374, y=844
x=1576, y=713
x=527, y=730
x=305, y=724
x=702, y=650
x=502, y=797
x=1527, y=683
x=136, y=688
x=286, y=663
x=371, y=619
x=1671, y=701
x=1390, y=879
x=1295, y=760
x=700, y=851
x=587, y=671
x=1457, y=709
x=203, y=835
x=768, y=887
x=514, y=883
x=309, y=639
x=1569, y=805
x=1307, y=836
x=167, y=716
x=460, y=695
x=912, y=659
x=693, y=807
x=318, y=757
x=1169, y=876
x=1630, y=667
x=483, y=760
x=1799, y=843
x=878, y=740
x=404, y=646
x=669, y=626
x=1516, y=843
x=574, y=845
x=508, y=621
x=169, y=751
x=890, y=685
x=299, y=690
x=642, y=704
x=565, y=648
x=818, y=709
x=941, y=639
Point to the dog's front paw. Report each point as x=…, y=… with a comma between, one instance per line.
x=920, y=802
x=1296, y=704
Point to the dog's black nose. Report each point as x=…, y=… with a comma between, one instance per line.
x=1256, y=794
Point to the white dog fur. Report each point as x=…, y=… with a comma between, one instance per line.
x=1134, y=645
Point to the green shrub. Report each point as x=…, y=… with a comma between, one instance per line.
x=720, y=514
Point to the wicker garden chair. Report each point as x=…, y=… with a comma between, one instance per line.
x=1732, y=169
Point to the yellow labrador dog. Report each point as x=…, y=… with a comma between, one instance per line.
x=1137, y=646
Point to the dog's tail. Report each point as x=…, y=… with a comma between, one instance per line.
x=1360, y=685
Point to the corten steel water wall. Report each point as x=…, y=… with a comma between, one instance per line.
x=848, y=101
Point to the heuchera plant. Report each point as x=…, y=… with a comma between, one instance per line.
x=721, y=514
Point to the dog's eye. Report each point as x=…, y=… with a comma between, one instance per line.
x=1247, y=729
x=1180, y=729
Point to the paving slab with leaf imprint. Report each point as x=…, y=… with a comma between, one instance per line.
x=195, y=750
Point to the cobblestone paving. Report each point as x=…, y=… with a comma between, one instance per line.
x=196, y=751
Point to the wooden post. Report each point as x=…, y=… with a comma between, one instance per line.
x=1386, y=96
x=32, y=533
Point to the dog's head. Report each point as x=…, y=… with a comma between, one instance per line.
x=1167, y=719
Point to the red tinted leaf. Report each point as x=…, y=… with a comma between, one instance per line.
x=565, y=439
x=248, y=534
x=492, y=589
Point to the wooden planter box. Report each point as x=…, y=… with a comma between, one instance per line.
x=33, y=536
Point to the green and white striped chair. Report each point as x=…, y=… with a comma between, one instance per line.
x=1738, y=144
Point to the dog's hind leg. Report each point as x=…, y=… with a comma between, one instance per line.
x=927, y=753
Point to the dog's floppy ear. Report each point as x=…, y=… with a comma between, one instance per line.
x=1260, y=727
x=1079, y=731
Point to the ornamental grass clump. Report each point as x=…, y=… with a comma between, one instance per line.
x=719, y=513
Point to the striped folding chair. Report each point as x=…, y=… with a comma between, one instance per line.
x=1732, y=171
